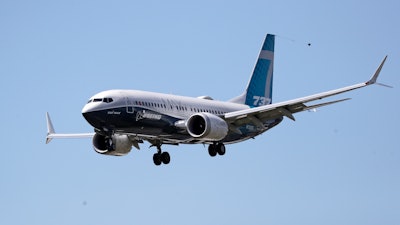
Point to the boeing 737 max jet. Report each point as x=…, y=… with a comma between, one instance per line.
x=125, y=118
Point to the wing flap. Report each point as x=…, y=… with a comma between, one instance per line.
x=324, y=104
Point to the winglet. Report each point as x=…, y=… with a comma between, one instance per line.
x=50, y=128
x=375, y=76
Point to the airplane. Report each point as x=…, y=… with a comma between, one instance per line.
x=123, y=119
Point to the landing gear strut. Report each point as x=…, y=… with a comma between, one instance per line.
x=216, y=148
x=161, y=157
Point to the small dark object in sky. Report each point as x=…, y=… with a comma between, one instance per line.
x=309, y=44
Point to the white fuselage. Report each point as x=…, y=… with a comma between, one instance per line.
x=150, y=114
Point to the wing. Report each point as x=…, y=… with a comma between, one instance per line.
x=52, y=134
x=288, y=108
x=135, y=138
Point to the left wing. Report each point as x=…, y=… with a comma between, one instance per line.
x=288, y=108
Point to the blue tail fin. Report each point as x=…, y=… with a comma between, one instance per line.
x=259, y=89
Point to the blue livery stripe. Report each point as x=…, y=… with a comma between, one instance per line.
x=258, y=82
x=259, y=90
x=269, y=43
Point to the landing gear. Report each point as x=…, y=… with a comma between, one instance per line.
x=212, y=150
x=221, y=149
x=161, y=157
x=216, y=148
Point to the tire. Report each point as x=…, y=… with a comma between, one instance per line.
x=157, y=159
x=165, y=158
x=221, y=149
x=212, y=150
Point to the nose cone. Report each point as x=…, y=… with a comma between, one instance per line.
x=87, y=108
x=96, y=110
x=87, y=112
x=93, y=113
x=94, y=104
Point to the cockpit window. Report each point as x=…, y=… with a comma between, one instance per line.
x=107, y=100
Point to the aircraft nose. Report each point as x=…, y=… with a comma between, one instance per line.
x=91, y=115
x=91, y=107
x=86, y=109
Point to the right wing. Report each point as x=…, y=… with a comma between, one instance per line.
x=273, y=111
x=135, y=138
x=52, y=134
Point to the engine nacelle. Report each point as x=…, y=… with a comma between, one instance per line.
x=207, y=126
x=121, y=145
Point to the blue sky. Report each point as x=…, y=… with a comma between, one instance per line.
x=340, y=165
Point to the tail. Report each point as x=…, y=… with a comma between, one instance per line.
x=259, y=89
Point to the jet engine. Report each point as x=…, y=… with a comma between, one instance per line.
x=207, y=126
x=117, y=145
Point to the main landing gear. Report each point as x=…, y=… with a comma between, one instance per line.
x=216, y=148
x=164, y=158
x=161, y=157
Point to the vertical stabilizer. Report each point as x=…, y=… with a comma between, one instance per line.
x=259, y=89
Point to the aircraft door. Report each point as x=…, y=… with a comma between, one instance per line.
x=129, y=105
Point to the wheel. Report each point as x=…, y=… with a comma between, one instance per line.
x=165, y=158
x=157, y=159
x=212, y=150
x=221, y=149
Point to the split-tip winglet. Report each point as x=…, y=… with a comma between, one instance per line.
x=50, y=128
x=375, y=76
